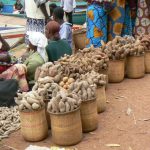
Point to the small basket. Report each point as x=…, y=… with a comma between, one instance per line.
x=116, y=71
x=34, y=125
x=89, y=116
x=101, y=99
x=66, y=128
x=135, y=67
x=79, y=37
x=147, y=61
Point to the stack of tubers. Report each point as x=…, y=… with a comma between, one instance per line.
x=120, y=47
x=65, y=83
x=10, y=121
x=30, y=101
x=84, y=61
x=98, y=79
x=85, y=89
x=63, y=102
x=52, y=91
x=145, y=41
x=50, y=70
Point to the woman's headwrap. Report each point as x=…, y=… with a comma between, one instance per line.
x=38, y=39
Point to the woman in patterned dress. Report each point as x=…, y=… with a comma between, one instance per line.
x=120, y=20
x=96, y=22
x=142, y=24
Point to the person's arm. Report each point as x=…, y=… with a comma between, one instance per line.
x=44, y=11
x=5, y=45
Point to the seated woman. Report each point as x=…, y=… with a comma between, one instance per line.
x=24, y=73
x=18, y=7
x=56, y=47
x=4, y=55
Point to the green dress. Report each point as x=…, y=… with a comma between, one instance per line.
x=56, y=49
x=34, y=61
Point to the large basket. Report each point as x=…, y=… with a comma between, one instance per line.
x=34, y=125
x=89, y=116
x=47, y=114
x=101, y=99
x=147, y=61
x=135, y=67
x=116, y=71
x=66, y=128
x=79, y=37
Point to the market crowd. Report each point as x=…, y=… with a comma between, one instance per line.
x=49, y=31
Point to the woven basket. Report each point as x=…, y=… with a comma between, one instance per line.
x=147, y=61
x=47, y=114
x=34, y=125
x=135, y=67
x=89, y=116
x=66, y=128
x=101, y=99
x=79, y=37
x=116, y=71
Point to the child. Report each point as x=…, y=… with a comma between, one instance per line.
x=65, y=27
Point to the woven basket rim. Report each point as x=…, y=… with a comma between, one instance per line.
x=92, y=99
x=100, y=86
x=116, y=60
x=65, y=112
x=136, y=55
x=83, y=30
x=32, y=111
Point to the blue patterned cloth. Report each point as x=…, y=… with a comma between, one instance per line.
x=128, y=26
x=96, y=25
x=36, y=25
x=120, y=23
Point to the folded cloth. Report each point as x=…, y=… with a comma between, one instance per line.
x=18, y=72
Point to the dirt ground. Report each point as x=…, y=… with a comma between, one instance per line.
x=125, y=122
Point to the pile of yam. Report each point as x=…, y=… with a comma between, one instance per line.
x=84, y=61
x=63, y=102
x=9, y=121
x=120, y=47
x=85, y=89
x=29, y=101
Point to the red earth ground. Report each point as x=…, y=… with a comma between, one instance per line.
x=125, y=122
